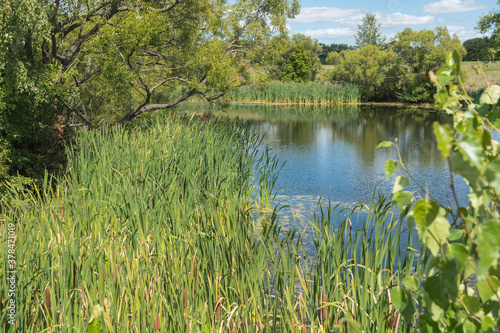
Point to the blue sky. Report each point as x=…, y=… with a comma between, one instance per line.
x=336, y=21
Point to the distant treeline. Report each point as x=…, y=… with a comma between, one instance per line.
x=481, y=49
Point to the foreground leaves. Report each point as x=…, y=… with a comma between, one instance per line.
x=461, y=288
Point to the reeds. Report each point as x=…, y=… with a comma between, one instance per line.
x=153, y=225
x=308, y=93
x=347, y=285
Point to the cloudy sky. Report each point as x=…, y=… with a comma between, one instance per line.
x=336, y=21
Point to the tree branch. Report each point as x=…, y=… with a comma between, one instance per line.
x=144, y=107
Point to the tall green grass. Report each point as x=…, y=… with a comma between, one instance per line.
x=347, y=285
x=154, y=224
x=297, y=93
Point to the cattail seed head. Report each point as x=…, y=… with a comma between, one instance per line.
x=217, y=308
x=324, y=307
x=293, y=325
x=157, y=323
x=194, y=265
x=117, y=270
x=47, y=298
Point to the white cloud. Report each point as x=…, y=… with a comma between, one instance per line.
x=328, y=14
x=353, y=17
x=464, y=33
x=403, y=20
x=335, y=33
x=452, y=6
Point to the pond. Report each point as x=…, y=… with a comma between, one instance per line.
x=331, y=152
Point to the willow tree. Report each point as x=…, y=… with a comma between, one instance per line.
x=79, y=62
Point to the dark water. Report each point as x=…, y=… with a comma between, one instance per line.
x=331, y=151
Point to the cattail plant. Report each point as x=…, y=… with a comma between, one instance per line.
x=307, y=93
x=184, y=211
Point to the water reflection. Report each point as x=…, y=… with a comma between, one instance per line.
x=331, y=151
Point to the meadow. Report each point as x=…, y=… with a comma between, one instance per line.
x=476, y=80
x=169, y=225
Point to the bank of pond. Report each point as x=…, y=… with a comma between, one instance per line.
x=312, y=93
x=172, y=224
x=306, y=93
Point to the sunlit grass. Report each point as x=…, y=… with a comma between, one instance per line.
x=308, y=93
x=475, y=81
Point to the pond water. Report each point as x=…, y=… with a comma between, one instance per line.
x=331, y=152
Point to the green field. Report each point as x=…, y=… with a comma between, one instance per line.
x=477, y=81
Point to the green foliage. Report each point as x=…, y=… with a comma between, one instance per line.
x=370, y=68
x=297, y=93
x=369, y=32
x=292, y=58
x=29, y=103
x=399, y=72
x=420, y=52
x=297, y=66
x=490, y=23
x=461, y=288
x=312, y=49
x=95, y=321
x=327, y=49
x=478, y=49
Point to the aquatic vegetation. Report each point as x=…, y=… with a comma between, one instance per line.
x=152, y=229
x=297, y=93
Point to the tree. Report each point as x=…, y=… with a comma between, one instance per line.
x=312, y=48
x=372, y=69
x=491, y=23
x=298, y=65
x=29, y=90
x=84, y=62
x=369, y=32
x=281, y=56
x=477, y=49
x=421, y=51
x=327, y=49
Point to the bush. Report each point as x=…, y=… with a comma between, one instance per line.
x=459, y=290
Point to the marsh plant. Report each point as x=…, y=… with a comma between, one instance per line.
x=151, y=229
x=169, y=225
x=308, y=93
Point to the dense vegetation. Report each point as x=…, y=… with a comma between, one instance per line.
x=142, y=222
x=297, y=93
x=460, y=291
x=67, y=64
x=153, y=228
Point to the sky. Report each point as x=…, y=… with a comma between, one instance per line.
x=337, y=21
